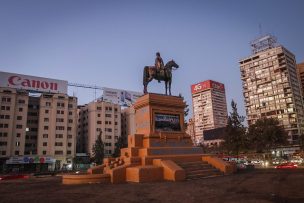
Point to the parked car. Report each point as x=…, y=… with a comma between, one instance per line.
x=287, y=165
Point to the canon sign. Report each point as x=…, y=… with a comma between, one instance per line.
x=32, y=83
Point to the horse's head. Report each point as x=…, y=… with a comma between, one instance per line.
x=171, y=64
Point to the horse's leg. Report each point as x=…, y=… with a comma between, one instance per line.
x=166, y=86
x=170, y=87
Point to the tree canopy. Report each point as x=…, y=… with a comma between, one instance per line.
x=265, y=134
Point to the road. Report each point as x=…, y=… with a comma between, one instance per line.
x=260, y=185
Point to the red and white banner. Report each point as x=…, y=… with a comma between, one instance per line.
x=208, y=84
x=33, y=83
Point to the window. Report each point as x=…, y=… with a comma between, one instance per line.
x=98, y=115
x=108, y=137
x=6, y=99
x=19, y=126
x=69, y=128
x=46, y=111
x=116, y=123
x=16, y=152
x=46, y=119
x=3, y=143
x=19, y=118
x=60, y=120
x=69, y=144
x=59, y=127
x=44, y=144
x=44, y=152
x=3, y=134
x=21, y=101
x=58, y=143
x=98, y=108
x=58, y=152
x=70, y=106
x=69, y=152
x=46, y=127
x=98, y=122
x=17, y=144
x=70, y=120
x=59, y=104
x=108, y=144
x=45, y=135
x=108, y=115
x=47, y=103
x=108, y=129
x=3, y=152
x=70, y=113
x=70, y=136
x=18, y=135
x=59, y=135
x=20, y=109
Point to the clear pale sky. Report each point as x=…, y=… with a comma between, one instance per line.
x=107, y=43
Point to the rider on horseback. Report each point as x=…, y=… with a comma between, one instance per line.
x=159, y=64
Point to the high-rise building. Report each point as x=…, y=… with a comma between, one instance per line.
x=300, y=68
x=209, y=107
x=271, y=86
x=99, y=118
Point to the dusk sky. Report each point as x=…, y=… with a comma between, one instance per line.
x=108, y=43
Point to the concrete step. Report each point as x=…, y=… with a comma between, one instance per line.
x=202, y=177
x=194, y=163
x=204, y=174
x=199, y=169
x=202, y=171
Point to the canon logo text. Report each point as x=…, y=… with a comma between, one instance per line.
x=18, y=81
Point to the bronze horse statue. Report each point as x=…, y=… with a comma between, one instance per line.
x=165, y=74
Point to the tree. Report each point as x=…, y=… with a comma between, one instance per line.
x=235, y=131
x=98, y=150
x=266, y=134
x=121, y=143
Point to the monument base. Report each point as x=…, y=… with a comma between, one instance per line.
x=160, y=149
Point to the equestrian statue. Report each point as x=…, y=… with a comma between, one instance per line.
x=159, y=72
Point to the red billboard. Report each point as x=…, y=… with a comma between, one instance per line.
x=208, y=84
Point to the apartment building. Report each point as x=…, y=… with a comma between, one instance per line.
x=99, y=118
x=209, y=107
x=300, y=68
x=38, y=122
x=271, y=86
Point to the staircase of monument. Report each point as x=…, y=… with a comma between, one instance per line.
x=199, y=170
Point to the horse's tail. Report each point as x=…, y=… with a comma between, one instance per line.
x=146, y=75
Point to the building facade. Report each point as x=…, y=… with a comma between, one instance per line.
x=300, y=68
x=99, y=118
x=38, y=123
x=190, y=130
x=271, y=86
x=128, y=122
x=37, y=127
x=209, y=107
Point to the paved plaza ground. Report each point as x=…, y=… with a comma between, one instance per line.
x=260, y=185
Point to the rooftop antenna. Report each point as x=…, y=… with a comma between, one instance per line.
x=260, y=29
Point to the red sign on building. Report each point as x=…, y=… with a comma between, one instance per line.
x=208, y=84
